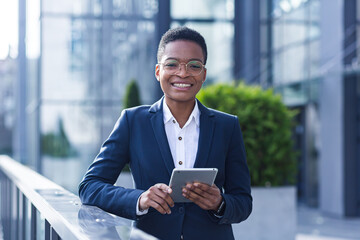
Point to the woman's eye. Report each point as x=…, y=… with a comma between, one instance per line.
x=195, y=66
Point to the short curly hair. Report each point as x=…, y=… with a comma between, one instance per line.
x=181, y=33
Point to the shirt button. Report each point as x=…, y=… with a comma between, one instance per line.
x=180, y=138
x=180, y=162
x=174, y=121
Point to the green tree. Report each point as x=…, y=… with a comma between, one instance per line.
x=266, y=125
x=132, y=96
x=131, y=99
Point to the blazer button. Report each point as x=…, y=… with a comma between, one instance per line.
x=181, y=237
x=181, y=209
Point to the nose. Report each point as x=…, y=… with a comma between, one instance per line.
x=182, y=70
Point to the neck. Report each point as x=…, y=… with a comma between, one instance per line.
x=181, y=110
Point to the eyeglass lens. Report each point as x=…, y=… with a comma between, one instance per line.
x=192, y=67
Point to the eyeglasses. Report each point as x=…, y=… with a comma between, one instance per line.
x=193, y=68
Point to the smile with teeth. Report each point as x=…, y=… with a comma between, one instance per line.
x=181, y=85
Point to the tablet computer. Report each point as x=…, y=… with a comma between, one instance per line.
x=180, y=177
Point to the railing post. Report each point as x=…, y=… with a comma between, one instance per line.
x=4, y=199
x=47, y=230
x=7, y=208
x=54, y=235
x=14, y=201
x=33, y=223
x=22, y=216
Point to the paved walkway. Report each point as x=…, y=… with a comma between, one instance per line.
x=313, y=225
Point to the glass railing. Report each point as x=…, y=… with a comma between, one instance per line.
x=33, y=207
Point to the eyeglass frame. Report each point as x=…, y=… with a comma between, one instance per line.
x=186, y=67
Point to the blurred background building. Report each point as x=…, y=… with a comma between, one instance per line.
x=61, y=89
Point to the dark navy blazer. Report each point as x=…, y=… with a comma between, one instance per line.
x=139, y=139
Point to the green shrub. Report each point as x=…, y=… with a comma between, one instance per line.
x=132, y=96
x=57, y=144
x=266, y=124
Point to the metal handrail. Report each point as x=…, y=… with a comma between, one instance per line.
x=30, y=199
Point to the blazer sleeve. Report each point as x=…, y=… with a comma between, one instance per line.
x=237, y=192
x=97, y=187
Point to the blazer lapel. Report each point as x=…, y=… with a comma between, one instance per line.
x=157, y=122
x=207, y=126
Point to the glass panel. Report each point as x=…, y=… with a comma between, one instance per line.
x=219, y=40
x=314, y=10
x=72, y=135
x=133, y=56
x=293, y=64
x=86, y=64
x=293, y=94
x=278, y=29
x=285, y=34
x=314, y=61
x=202, y=9
x=277, y=63
x=70, y=58
x=72, y=7
x=8, y=76
x=95, y=60
x=292, y=9
x=145, y=8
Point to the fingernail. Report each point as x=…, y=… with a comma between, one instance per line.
x=169, y=190
x=184, y=190
x=169, y=212
x=196, y=184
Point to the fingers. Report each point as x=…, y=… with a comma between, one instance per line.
x=157, y=197
x=163, y=187
x=205, y=196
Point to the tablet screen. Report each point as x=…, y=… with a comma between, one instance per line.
x=180, y=177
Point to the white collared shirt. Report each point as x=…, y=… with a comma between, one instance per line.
x=183, y=142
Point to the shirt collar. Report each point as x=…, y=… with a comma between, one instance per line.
x=194, y=114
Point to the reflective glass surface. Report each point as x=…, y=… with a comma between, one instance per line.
x=295, y=49
x=86, y=63
x=202, y=9
x=71, y=137
x=219, y=39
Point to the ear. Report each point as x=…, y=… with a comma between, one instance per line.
x=157, y=72
x=204, y=75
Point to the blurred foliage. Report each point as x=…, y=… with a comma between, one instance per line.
x=131, y=99
x=57, y=144
x=132, y=96
x=266, y=124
